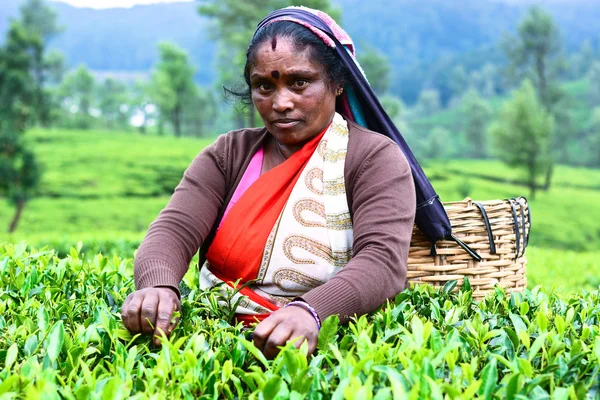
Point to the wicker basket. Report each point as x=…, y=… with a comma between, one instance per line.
x=497, y=230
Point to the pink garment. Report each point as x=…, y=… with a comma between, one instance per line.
x=339, y=33
x=251, y=174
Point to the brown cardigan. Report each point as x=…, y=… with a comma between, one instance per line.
x=381, y=198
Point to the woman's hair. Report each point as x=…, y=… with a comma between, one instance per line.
x=303, y=39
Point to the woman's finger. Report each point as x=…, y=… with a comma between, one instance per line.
x=148, y=314
x=133, y=312
x=165, y=310
x=278, y=337
x=263, y=330
x=124, y=310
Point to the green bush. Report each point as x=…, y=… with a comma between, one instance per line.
x=62, y=338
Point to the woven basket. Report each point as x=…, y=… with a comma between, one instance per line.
x=497, y=230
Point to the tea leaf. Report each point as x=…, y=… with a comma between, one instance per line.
x=11, y=356
x=328, y=331
x=55, y=341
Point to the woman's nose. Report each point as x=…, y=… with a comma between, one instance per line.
x=282, y=101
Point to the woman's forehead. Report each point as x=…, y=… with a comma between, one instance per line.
x=283, y=58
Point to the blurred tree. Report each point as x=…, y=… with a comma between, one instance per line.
x=77, y=91
x=172, y=84
x=459, y=81
x=39, y=19
x=19, y=170
x=199, y=113
x=438, y=144
x=475, y=114
x=393, y=106
x=235, y=24
x=114, y=104
x=594, y=83
x=581, y=61
x=489, y=76
x=522, y=134
x=143, y=108
x=429, y=102
x=377, y=69
x=536, y=53
x=591, y=141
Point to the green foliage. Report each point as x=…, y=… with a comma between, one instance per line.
x=77, y=93
x=476, y=115
x=594, y=82
x=19, y=171
x=63, y=338
x=39, y=20
x=522, y=135
x=592, y=139
x=376, y=67
x=535, y=54
x=460, y=81
x=113, y=100
x=173, y=84
x=438, y=144
x=429, y=102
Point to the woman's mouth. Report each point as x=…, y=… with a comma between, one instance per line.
x=285, y=123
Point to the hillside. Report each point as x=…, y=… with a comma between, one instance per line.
x=422, y=39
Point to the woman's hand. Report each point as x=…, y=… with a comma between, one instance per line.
x=286, y=324
x=150, y=310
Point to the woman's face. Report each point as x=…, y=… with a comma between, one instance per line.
x=290, y=92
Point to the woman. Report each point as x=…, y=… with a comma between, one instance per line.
x=315, y=211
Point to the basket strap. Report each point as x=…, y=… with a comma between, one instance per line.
x=488, y=227
x=516, y=224
x=433, y=250
x=465, y=247
x=523, y=225
x=528, y=219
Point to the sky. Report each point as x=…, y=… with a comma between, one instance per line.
x=114, y=3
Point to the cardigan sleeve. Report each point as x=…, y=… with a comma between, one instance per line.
x=383, y=209
x=175, y=236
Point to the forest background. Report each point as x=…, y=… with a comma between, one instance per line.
x=102, y=111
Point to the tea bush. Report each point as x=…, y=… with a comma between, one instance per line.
x=62, y=337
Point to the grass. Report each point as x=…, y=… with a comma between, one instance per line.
x=106, y=164
x=563, y=271
x=563, y=176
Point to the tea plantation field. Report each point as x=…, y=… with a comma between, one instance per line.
x=61, y=336
x=62, y=339
x=104, y=189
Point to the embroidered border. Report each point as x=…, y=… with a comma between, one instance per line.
x=321, y=250
x=313, y=206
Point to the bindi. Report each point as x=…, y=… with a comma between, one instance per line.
x=275, y=74
x=274, y=43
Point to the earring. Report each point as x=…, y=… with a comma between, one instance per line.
x=340, y=91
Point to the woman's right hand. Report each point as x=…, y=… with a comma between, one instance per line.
x=150, y=311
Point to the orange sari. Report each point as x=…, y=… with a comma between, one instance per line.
x=237, y=249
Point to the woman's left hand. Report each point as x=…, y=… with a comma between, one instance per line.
x=286, y=324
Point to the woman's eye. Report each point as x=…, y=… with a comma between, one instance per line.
x=300, y=83
x=263, y=87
